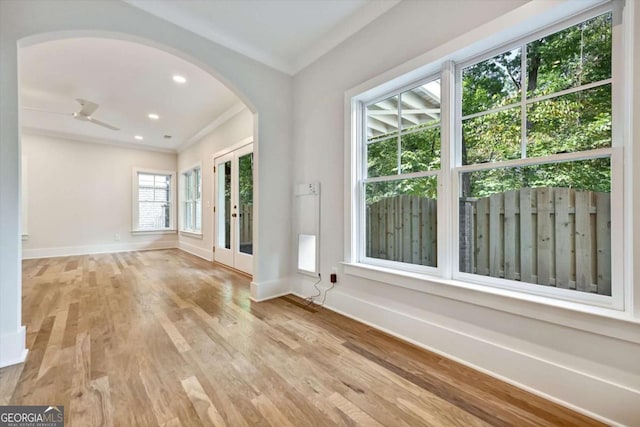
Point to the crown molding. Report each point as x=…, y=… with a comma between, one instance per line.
x=93, y=140
x=219, y=121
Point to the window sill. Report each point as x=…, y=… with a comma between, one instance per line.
x=151, y=232
x=603, y=321
x=191, y=234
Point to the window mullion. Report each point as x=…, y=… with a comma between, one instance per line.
x=399, y=133
x=447, y=194
x=523, y=101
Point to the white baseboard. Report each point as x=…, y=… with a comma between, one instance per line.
x=196, y=250
x=98, y=249
x=598, y=398
x=13, y=349
x=270, y=289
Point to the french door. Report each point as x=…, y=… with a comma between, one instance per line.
x=234, y=209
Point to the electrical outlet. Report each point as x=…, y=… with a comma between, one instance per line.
x=116, y=237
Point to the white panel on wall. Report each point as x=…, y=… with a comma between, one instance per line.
x=308, y=227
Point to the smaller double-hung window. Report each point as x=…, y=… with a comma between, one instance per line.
x=192, y=200
x=401, y=174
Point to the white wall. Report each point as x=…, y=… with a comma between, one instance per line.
x=236, y=129
x=592, y=372
x=266, y=91
x=79, y=197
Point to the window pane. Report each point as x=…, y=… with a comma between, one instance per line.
x=198, y=216
x=245, y=219
x=382, y=118
x=198, y=183
x=575, y=122
x=491, y=83
x=153, y=216
x=382, y=158
x=544, y=224
x=421, y=151
x=575, y=56
x=492, y=137
x=401, y=220
x=188, y=216
x=421, y=106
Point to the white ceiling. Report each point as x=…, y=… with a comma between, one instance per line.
x=285, y=34
x=128, y=81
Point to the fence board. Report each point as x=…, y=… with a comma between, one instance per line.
x=510, y=236
x=433, y=231
x=603, y=239
x=466, y=236
x=482, y=237
x=526, y=241
x=583, y=241
x=405, y=228
x=544, y=236
x=496, y=240
x=563, y=236
x=415, y=230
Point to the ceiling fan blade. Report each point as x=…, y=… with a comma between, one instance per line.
x=98, y=122
x=41, y=110
x=88, y=107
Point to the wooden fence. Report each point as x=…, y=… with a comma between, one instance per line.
x=403, y=228
x=549, y=236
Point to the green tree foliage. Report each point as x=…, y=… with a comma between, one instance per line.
x=572, y=122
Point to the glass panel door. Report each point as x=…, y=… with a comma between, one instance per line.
x=234, y=209
x=223, y=206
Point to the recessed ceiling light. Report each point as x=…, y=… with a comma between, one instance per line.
x=138, y=137
x=179, y=79
x=153, y=116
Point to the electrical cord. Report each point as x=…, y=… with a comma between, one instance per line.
x=325, y=294
x=310, y=300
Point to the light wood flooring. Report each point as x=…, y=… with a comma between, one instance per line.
x=162, y=338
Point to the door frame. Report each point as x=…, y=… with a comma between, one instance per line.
x=226, y=151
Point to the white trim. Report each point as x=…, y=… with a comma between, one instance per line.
x=599, y=320
x=152, y=232
x=205, y=254
x=13, y=349
x=230, y=113
x=98, y=249
x=270, y=289
x=289, y=64
x=246, y=141
x=24, y=197
x=94, y=140
x=191, y=234
x=613, y=404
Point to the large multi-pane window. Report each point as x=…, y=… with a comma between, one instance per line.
x=153, y=201
x=192, y=200
x=530, y=166
x=535, y=170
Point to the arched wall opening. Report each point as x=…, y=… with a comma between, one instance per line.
x=260, y=88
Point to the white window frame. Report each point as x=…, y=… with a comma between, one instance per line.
x=464, y=51
x=136, y=203
x=197, y=232
x=437, y=173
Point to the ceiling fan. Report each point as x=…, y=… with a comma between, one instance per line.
x=85, y=113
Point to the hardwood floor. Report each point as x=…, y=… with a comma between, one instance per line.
x=162, y=338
